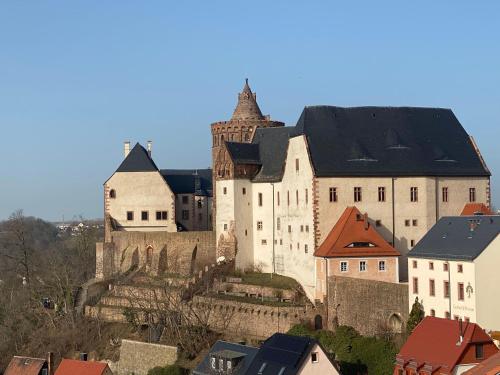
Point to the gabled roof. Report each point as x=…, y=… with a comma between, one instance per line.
x=281, y=354
x=75, y=367
x=228, y=350
x=137, y=160
x=354, y=236
x=434, y=341
x=388, y=141
x=490, y=366
x=476, y=209
x=25, y=366
x=457, y=238
x=189, y=181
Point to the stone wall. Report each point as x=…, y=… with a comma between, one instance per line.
x=369, y=306
x=255, y=290
x=159, y=253
x=139, y=357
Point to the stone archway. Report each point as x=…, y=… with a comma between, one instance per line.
x=395, y=323
x=318, y=322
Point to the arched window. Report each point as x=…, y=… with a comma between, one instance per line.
x=112, y=193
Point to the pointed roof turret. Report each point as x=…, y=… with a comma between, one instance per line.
x=247, y=107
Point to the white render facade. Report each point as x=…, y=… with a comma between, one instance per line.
x=473, y=286
x=288, y=228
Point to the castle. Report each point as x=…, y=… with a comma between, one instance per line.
x=346, y=191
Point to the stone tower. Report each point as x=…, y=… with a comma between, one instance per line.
x=246, y=118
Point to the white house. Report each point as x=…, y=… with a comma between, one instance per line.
x=454, y=270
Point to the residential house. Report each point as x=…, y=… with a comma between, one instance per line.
x=454, y=268
x=29, y=366
x=226, y=358
x=354, y=248
x=443, y=346
x=76, y=367
x=490, y=366
x=280, y=190
x=280, y=354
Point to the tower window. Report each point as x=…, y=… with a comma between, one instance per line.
x=112, y=193
x=296, y=165
x=260, y=199
x=445, y=194
x=472, y=194
x=259, y=225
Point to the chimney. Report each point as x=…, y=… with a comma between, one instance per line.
x=126, y=148
x=150, y=146
x=83, y=357
x=50, y=363
x=365, y=219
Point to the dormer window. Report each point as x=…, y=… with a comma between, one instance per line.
x=361, y=244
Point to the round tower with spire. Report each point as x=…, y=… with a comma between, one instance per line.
x=246, y=119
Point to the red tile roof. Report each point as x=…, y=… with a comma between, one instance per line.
x=74, y=367
x=434, y=343
x=490, y=366
x=475, y=208
x=354, y=228
x=25, y=366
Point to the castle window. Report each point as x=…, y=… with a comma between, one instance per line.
x=288, y=197
x=445, y=194
x=112, y=193
x=301, y=228
x=297, y=197
x=314, y=357
x=244, y=191
x=460, y=291
x=460, y=268
x=407, y=223
x=432, y=288
x=144, y=215
x=278, y=223
x=343, y=267
x=298, y=246
x=185, y=214
x=199, y=203
x=381, y=265
x=264, y=242
x=357, y=194
x=333, y=194
x=278, y=197
x=431, y=265
x=307, y=228
x=412, y=243
x=446, y=289
x=306, y=249
x=472, y=194
x=433, y=312
x=362, y=266
x=259, y=225
x=414, y=194
x=224, y=190
x=307, y=196
x=378, y=223
x=381, y=194
x=130, y=215
x=414, y=222
x=415, y=285
x=161, y=215
x=260, y=199
x=297, y=165
x=445, y=267
x=289, y=229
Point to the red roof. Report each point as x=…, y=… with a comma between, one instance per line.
x=25, y=366
x=490, y=366
x=74, y=367
x=353, y=236
x=433, y=342
x=476, y=208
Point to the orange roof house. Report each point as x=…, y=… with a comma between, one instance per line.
x=354, y=248
x=490, y=366
x=26, y=366
x=443, y=346
x=354, y=236
x=471, y=209
x=74, y=367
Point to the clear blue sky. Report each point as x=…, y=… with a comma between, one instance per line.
x=77, y=78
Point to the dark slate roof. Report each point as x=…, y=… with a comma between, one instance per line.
x=281, y=352
x=273, y=144
x=189, y=181
x=452, y=238
x=138, y=160
x=243, y=153
x=223, y=347
x=388, y=141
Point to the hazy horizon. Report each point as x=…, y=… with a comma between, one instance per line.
x=80, y=78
